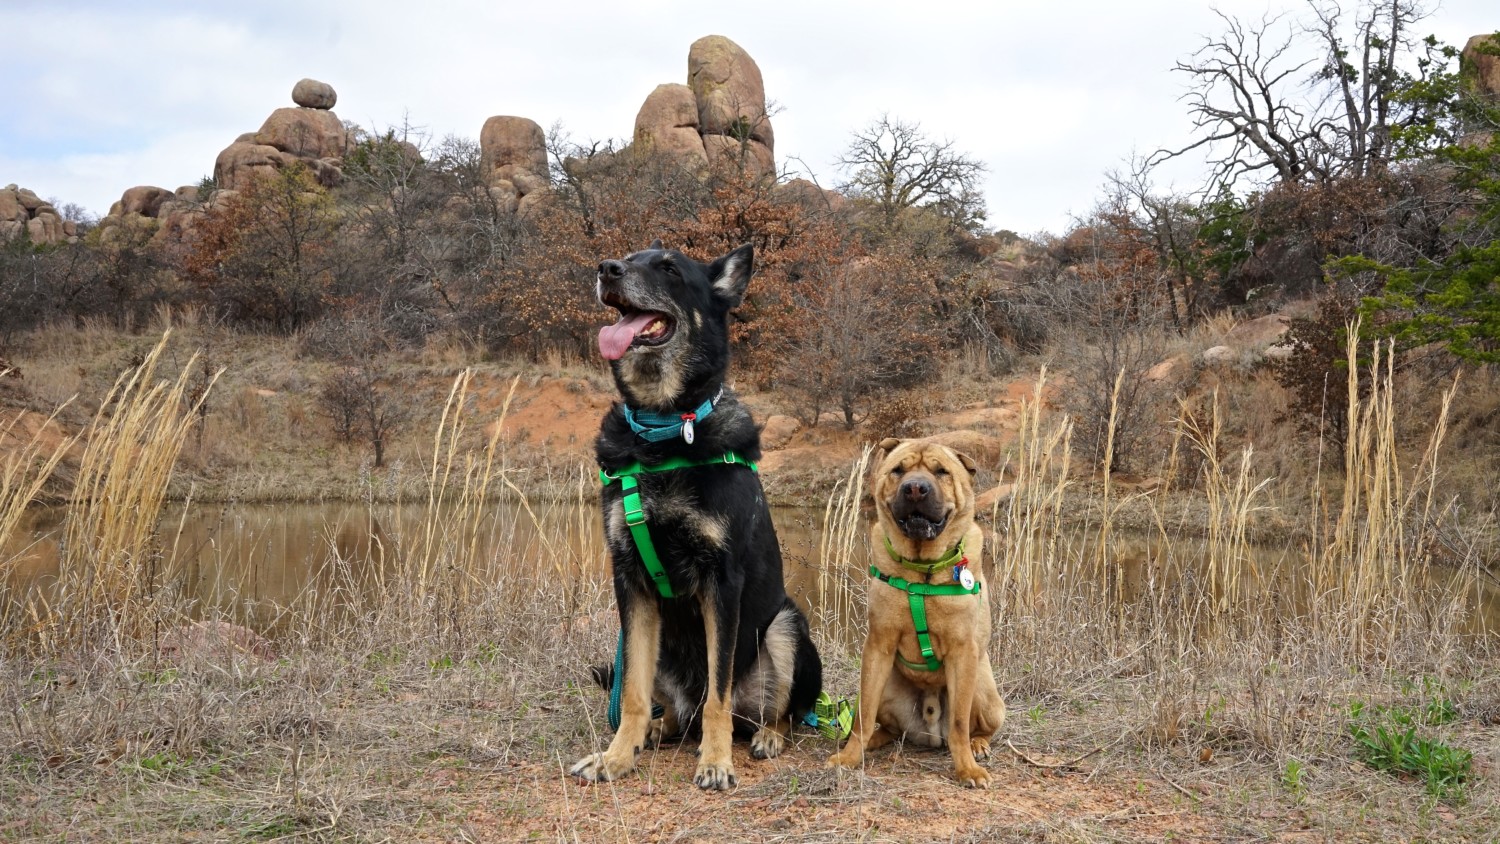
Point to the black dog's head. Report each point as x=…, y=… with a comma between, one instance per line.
x=671, y=343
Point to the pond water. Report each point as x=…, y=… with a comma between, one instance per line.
x=250, y=562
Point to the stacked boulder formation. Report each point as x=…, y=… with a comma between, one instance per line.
x=1482, y=69
x=23, y=212
x=719, y=115
x=513, y=154
x=309, y=133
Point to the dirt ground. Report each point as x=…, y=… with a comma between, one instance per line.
x=899, y=797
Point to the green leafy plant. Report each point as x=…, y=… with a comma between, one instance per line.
x=1388, y=741
x=1293, y=778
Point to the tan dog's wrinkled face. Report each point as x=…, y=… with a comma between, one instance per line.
x=922, y=486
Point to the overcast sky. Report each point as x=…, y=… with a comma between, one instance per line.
x=100, y=96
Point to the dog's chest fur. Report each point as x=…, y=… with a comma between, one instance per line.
x=695, y=515
x=949, y=617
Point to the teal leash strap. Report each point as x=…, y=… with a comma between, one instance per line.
x=617, y=686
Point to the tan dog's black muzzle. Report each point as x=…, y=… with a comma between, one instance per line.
x=919, y=508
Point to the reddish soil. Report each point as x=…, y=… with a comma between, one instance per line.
x=907, y=796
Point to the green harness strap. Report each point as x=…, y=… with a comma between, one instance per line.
x=917, y=593
x=635, y=514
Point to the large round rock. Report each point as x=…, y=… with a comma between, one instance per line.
x=310, y=93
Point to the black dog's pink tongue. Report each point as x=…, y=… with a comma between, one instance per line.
x=615, y=339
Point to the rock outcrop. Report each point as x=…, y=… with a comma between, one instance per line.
x=163, y=215
x=145, y=200
x=310, y=93
x=1482, y=69
x=309, y=133
x=668, y=122
x=22, y=212
x=513, y=154
x=718, y=117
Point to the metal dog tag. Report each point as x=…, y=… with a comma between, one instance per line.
x=964, y=577
x=687, y=431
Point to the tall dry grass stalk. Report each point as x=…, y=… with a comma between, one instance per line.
x=110, y=570
x=1231, y=494
x=843, y=553
x=1030, y=559
x=30, y=458
x=444, y=565
x=1370, y=574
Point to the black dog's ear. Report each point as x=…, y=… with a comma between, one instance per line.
x=656, y=244
x=731, y=274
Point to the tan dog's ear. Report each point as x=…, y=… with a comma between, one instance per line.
x=967, y=461
x=889, y=443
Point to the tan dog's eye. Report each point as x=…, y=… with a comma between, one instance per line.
x=940, y=471
x=897, y=472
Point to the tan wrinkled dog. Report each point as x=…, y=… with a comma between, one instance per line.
x=925, y=541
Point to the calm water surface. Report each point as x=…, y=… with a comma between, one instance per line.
x=250, y=562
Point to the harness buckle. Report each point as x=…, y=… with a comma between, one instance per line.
x=636, y=516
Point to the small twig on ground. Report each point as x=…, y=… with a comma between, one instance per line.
x=1196, y=798
x=1070, y=763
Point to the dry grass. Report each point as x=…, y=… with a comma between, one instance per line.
x=1173, y=685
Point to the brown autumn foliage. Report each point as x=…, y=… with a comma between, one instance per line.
x=267, y=256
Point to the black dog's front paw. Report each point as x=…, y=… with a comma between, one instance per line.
x=715, y=777
x=766, y=743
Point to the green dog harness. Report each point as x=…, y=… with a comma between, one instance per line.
x=635, y=513
x=917, y=593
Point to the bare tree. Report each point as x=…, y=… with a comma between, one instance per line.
x=1363, y=80
x=863, y=330
x=358, y=403
x=893, y=165
x=1240, y=97
x=1304, y=103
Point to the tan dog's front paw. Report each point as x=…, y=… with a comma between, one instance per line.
x=973, y=777
x=599, y=767
x=850, y=757
x=981, y=747
x=715, y=777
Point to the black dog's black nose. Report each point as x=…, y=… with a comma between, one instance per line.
x=916, y=489
x=611, y=270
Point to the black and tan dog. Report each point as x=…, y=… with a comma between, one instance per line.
x=708, y=630
x=925, y=676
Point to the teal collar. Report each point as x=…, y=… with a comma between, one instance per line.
x=655, y=427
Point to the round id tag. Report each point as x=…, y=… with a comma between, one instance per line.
x=964, y=577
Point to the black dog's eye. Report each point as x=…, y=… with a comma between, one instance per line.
x=670, y=269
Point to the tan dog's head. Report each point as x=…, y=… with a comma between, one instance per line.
x=925, y=490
